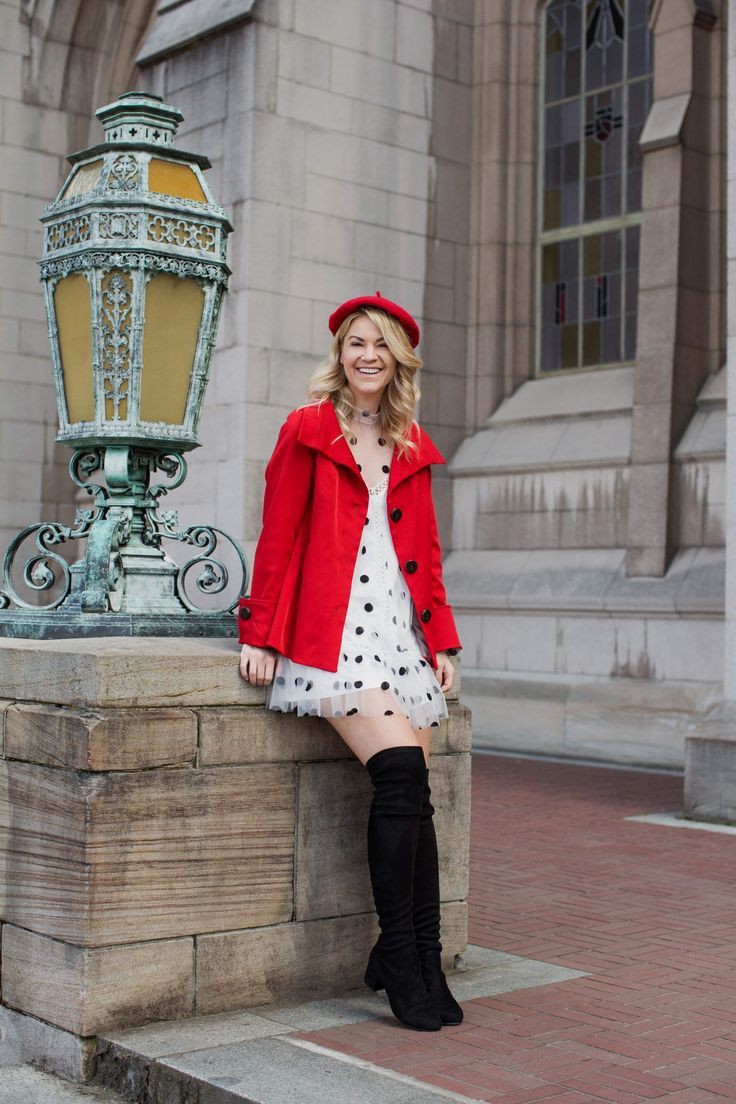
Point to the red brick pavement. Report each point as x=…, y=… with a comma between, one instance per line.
x=649, y=912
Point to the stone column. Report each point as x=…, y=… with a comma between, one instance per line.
x=680, y=283
x=710, y=755
x=168, y=847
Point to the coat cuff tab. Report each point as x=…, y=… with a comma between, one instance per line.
x=254, y=621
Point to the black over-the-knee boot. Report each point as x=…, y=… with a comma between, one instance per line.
x=426, y=914
x=393, y=826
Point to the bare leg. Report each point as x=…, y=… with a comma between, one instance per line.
x=367, y=735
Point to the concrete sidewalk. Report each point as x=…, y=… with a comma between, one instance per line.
x=601, y=970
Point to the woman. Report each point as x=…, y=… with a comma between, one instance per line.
x=348, y=553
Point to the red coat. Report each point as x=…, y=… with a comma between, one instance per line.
x=314, y=510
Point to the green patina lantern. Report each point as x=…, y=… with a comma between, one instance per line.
x=134, y=273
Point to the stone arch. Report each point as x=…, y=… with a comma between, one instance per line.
x=81, y=56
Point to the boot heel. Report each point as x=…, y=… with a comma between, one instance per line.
x=372, y=979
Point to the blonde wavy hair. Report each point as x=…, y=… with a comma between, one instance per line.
x=401, y=394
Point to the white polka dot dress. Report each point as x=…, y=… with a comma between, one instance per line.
x=381, y=670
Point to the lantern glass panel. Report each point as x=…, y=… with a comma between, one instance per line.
x=168, y=178
x=73, y=320
x=173, y=317
x=83, y=180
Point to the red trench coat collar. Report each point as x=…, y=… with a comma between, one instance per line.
x=322, y=431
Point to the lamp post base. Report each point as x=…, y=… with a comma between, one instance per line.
x=63, y=624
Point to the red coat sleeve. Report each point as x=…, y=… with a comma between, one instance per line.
x=289, y=477
x=444, y=630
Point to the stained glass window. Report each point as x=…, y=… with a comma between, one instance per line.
x=596, y=95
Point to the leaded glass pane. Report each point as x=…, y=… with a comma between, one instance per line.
x=560, y=267
x=640, y=97
x=604, y=43
x=603, y=154
x=598, y=89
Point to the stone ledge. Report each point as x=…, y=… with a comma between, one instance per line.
x=181, y=25
x=143, y=672
x=580, y=580
x=634, y=722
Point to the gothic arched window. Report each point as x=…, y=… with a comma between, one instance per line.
x=596, y=92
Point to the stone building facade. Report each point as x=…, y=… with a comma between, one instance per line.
x=424, y=147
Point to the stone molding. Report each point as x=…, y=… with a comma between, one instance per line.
x=182, y=24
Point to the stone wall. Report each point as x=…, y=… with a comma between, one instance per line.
x=168, y=847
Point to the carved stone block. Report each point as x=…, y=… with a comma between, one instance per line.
x=116, y=739
x=123, y=857
x=87, y=990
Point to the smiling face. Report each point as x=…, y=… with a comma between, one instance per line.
x=368, y=362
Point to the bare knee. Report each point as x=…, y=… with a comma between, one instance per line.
x=367, y=735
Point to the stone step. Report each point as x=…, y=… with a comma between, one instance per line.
x=259, y=1056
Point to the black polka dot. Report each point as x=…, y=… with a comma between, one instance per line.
x=346, y=685
x=344, y=656
x=281, y=680
x=298, y=681
x=435, y=724
x=308, y=686
x=422, y=663
x=360, y=467
x=402, y=670
x=377, y=658
x=364, y=578
x=366, y=521
x=385, y=468
x=394, y=621
x=389, y=589
x=385, y=685
x=389, y=713
x=382, y=440
x=368, y=607
x=336, y=686
x=359, y=683
x=363, y=550
x=351, y=711
x=359, y=630
x=429, y=695
x=358, y=659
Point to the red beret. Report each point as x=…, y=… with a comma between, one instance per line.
x=341, y=313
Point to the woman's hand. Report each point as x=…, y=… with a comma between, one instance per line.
x=444, y=671
x=257, y=664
